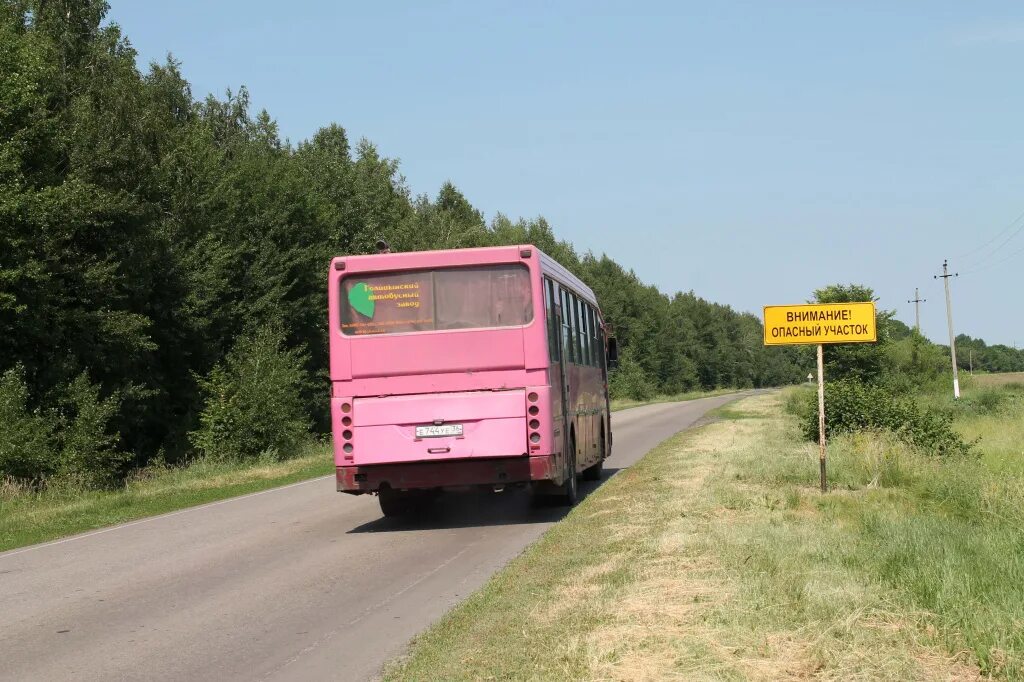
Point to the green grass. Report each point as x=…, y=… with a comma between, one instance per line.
x=29, y=517
x=716, y=557
x=626, y=403
x=946, y=537
x=994, y=416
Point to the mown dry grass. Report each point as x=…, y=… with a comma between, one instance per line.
x=64, y=508
x=1002, y=379
x=697, y=563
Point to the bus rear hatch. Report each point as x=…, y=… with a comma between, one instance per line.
x=440, y=426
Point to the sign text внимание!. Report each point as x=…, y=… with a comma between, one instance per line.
x=820, y=323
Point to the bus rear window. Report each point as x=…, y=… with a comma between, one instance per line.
x=429, y=300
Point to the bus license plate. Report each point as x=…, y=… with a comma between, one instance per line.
x=437, y=431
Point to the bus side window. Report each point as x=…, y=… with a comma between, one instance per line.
x=584, y=333
x=554, y=334
x=592, y=328
x=580, y=356
x=582, y=338
x=567, y=339
x=585, y=313
x=577, y=333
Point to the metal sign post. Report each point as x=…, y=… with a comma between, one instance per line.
x=821, y=416
x=820, y=323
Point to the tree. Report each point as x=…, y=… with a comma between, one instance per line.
x=861, y=361
x=89, y=449
x=253, y=402
x=27, y=451
x=146, y=238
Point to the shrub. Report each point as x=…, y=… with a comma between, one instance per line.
x=852, y=406
x=630, y=380
x=914, y=363
x=857, y=361
x=26, y=438
x=795, y=397
x=988, y=400
x=89, y=452
x=253, y=401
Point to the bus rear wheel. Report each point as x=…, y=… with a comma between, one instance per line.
x=395, y=502
x=593, y=472
x=569, y=494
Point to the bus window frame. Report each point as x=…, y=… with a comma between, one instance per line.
x=433, y=285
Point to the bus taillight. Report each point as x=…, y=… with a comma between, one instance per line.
x=534, y=423
x=346, y=435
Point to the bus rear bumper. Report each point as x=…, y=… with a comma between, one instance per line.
x=445, y=474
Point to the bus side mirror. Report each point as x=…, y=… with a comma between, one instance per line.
x=613, y=353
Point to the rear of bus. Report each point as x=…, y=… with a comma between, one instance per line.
x=439, y=372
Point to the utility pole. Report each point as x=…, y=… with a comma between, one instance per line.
x=917, y=301
x=949, y=320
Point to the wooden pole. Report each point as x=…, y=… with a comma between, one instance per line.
x=821, y=415
x=949, y=320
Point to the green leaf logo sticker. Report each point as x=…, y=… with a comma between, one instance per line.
x=359, y=299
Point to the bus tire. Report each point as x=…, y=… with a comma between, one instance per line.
x=569, y=494
x=394, y=502
x=593, y=472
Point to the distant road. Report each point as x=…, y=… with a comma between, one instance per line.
x=294, y=583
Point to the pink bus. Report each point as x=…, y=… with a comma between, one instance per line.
x=466, y=367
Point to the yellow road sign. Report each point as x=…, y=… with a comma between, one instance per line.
x=820, y=323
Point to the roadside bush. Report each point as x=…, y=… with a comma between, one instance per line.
x=914, y=363
x=852, y=406
x=630, y=381
x=988, y=400
x=794, y=398
x=26, y=437
x=253, y=401
x=856, y=361
x=89, y=451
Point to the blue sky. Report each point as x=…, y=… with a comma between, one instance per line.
x=749, y=151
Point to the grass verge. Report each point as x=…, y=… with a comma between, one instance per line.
x=716, y=558
x=30, y=517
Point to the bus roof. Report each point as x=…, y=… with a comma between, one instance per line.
x=441, y=257
x=555, y=270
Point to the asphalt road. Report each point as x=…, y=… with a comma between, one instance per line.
x=295, y=583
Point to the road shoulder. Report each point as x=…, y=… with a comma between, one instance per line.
x=662, y=574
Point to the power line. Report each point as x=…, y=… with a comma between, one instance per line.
x=996, y=236
x=995, y=252
x=999, y=262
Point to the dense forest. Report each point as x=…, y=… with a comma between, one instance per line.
x=975, y=354
x=163, y=260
